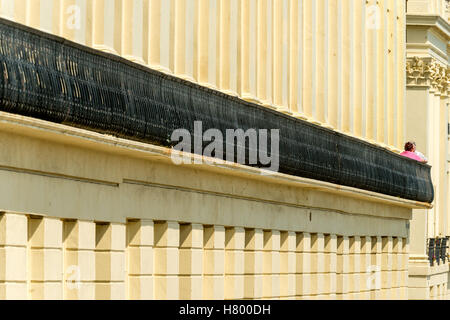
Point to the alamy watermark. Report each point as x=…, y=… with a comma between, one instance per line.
x=373, y=17
x=73, y=21
x=262, y=149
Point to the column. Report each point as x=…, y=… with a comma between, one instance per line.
x=166, y=260
x=7, y=9
x=107, y=25
x=371, y=70
x=110, y=261
x=161, y=35
x=75, y=20
x=229, y=13
x=303, y=266
x=401, y=76
x=234, y=262
x=359, y=88
x=287, y=264
x=281, y=55
x=248, y=36
x=13, y=248
x=185, y=32
x=296, y=59
x=79, y=260
x=253, y=264
x=45, y=263
x=309, y=54
x=264, y=52
x=208, y=43
x=133, y=30
x=321, y=59
x=213, y=262
x=191, y=256
x=334, y=63
x=140, y=239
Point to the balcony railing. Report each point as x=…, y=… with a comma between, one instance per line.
x=437, y=250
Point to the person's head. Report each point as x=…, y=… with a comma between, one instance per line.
x=410, y=146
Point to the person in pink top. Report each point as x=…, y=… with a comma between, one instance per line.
x=409, y=152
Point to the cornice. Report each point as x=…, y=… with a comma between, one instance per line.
x=427, y=20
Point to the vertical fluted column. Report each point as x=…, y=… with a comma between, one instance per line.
x=287, y=264
x=249, y=56
x=330, y=266
x=281, y=55
x=309, y=51
x=381, y=53
x=296, y=58
x=7, y=9
x=207, y=43
x=371, y=74
x=185, y=32
x=79, y=260
x=359, y=101
x=343, y=268
x=271, y=267
x=303, y=266
x=253, y=264
x=161, y=35
x=41, y=14
x=229, y=22
x=213, y=262
x=191, y=256
x=391, y=73
x=45, y=263
x=166, y=260
x=346, y=72
x=140, y=239
x=355, y=267
x=401, y=76
x=333, y=83
x=234, y=262
x=13, y=249
x=110, y=261
x=133, y=30
x=107, y=25
x=321, y=59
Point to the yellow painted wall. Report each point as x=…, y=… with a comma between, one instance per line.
x=339, y=63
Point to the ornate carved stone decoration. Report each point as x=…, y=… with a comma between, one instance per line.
x=428, y=72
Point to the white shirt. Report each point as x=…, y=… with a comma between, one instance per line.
x=421, y=155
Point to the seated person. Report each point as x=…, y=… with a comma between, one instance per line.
x=409, y=152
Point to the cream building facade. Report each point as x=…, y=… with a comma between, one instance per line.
x=428, y=35
x=88, y=216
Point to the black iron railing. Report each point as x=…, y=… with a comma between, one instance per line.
x=437, y=250
x=50, y=78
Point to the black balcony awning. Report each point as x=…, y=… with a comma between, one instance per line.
x=50, y=78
